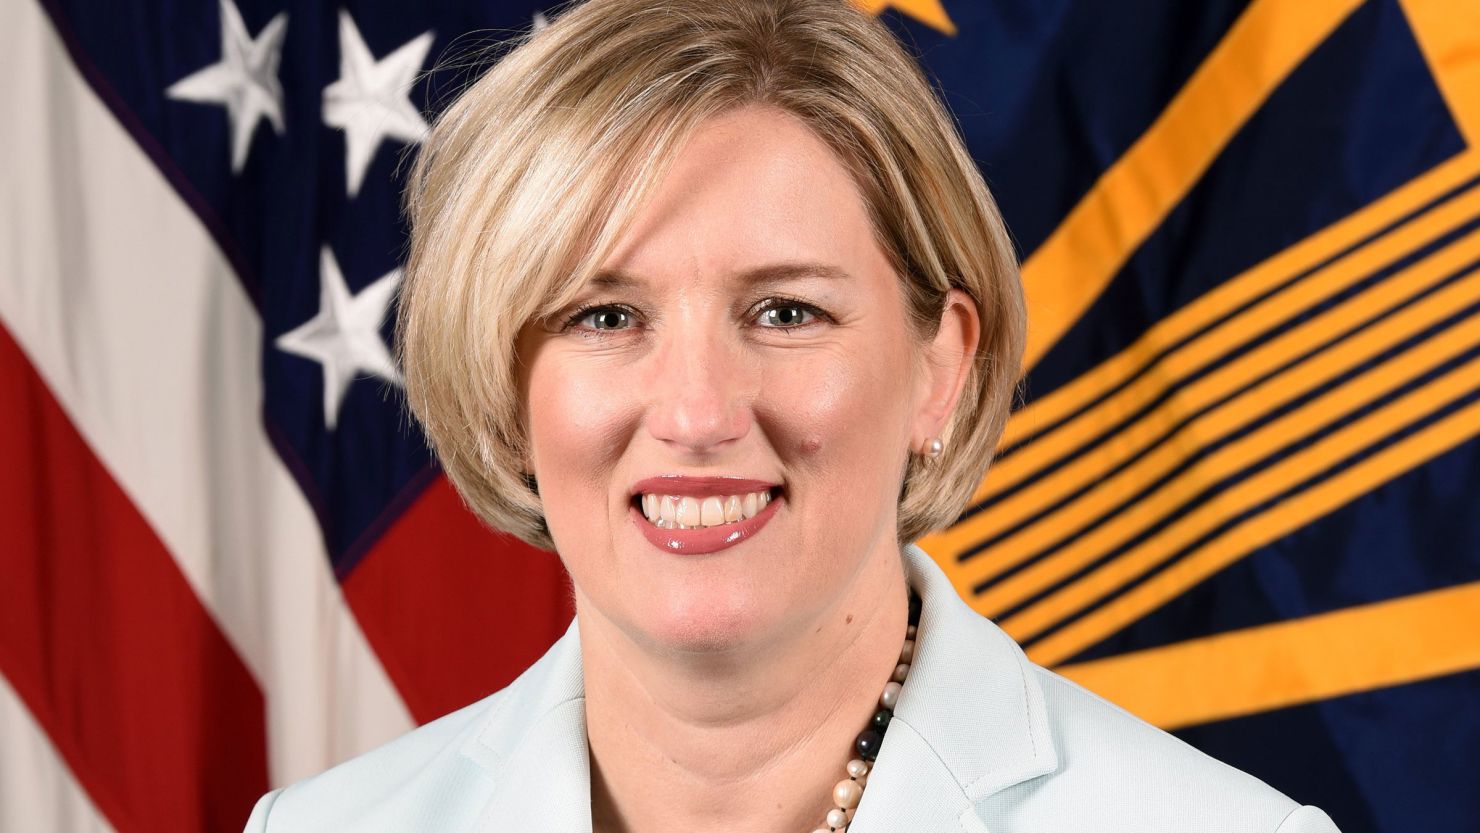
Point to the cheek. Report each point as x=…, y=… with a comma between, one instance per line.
x=839, y=416
x=576, y=421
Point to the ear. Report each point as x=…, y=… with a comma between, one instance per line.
x=948, y=360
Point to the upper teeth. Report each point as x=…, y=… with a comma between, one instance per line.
x=689, y=512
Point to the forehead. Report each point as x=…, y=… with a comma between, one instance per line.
x=752, y=186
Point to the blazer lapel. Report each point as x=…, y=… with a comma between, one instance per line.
x=970, y=721
x=533, y=749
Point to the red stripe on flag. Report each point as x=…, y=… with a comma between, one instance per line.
x=455, y=611
x=104, y=639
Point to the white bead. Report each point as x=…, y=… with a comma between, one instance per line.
x=890, y=695
x=857, y=768
x=862, y=781
x=836, y=818
x=901, y=671
x=847, y=793
x=907, y=654
x=822, y=830
x=909, y=632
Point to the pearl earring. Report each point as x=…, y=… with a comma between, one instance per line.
x=935, y=448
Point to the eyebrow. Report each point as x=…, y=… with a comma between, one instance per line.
x=771, y=273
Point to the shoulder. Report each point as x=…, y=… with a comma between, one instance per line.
x=1133, y=776
x=441, y=775
x=1036, y=753
x=438, y=776
x=389, y=788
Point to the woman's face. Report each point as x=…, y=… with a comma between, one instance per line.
x=694, y=361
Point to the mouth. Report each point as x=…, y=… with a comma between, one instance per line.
x=683, y=511
x=697, y=524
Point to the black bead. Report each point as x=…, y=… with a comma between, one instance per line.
x=881, y=720
x=914, y=609
x=869, y=741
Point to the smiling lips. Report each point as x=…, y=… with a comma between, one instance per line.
x=696, y=515
x=685, y=512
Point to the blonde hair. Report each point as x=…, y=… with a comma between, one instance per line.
x=527, y=181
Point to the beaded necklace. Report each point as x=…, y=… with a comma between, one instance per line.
x=849, y=791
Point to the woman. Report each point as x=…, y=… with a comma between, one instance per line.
x=709, y=298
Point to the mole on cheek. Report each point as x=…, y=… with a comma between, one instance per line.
x=811, y=446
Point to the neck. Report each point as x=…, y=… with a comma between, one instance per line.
x=743, y=739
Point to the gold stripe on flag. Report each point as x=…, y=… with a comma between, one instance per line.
x=1263, y=527
x=1135, y=194
x=1243, y=409
x=1274, y=666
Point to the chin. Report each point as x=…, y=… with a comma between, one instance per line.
x=703, y=622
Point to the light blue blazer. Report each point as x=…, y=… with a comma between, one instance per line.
x=982, y=741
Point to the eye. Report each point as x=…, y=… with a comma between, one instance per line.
x=602, y=318
x=782, y=314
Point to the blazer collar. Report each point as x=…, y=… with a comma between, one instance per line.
x=533, y=747
x=970, y=721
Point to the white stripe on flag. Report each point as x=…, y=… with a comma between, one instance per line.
x=37, y=791
x=132, y=315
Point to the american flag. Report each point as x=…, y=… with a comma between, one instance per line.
x=1238, y=498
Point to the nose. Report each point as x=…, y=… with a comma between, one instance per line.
x=699, y=403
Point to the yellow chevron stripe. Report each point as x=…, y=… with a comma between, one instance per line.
x=1275, y=522
x=1227, y=296
x=1237, y=412
x=1240, y=498
x=1274, y=666
x=1074, y=265
x=1026, y=464
x=929, y=12
x=1233, y=333
x=1448, y=32
x=1177, y=493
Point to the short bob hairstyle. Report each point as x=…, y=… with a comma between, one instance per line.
x=529, y=178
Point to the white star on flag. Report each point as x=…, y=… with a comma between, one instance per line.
x=344, y=336
x=371, y=100
x=244, y=80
